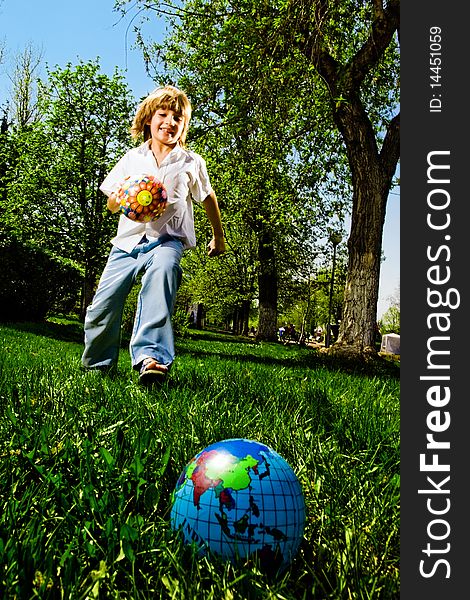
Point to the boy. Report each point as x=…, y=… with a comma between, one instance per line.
x=154, y=248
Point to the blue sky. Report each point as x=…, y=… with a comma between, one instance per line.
x=70, y=30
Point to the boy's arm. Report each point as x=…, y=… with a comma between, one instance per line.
x=217, y=244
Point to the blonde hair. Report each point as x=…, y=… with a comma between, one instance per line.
x=168, y=97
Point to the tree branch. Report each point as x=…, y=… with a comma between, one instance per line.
x=377, y=9
x=390, y=152
x=384, y=24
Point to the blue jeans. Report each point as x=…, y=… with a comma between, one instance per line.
x=152, y=335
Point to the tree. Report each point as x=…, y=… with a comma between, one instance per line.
x=369, y=129
x=25, y=80
x=53, y=190
x=20, y=111
x=390, y=322
x=2, y=51
x=306, y=290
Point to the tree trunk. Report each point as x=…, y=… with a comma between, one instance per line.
x=372, y=170
x=268, y=288
x=199, y=315
x=89, y=283
x=371, y=183
x=236, y=320
x=87, y=293
x=362, y=284
x=241, y=316
x=245, y=317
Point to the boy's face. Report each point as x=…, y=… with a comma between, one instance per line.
x=166, y=126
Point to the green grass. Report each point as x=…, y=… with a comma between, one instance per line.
x=88, y=464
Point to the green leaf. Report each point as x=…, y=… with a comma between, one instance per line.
x=107, y=456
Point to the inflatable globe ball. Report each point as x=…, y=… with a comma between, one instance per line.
x=240, y=500
x=142, y=199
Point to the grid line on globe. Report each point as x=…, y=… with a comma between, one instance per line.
x=241, y=500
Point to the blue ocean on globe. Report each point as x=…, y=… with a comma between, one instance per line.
x=241, y=500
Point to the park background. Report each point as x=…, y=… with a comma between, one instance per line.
x=90, y=462
x=59, y=34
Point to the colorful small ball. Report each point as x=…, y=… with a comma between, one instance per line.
x=142, y=199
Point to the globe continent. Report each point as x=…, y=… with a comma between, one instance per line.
x=240, y=499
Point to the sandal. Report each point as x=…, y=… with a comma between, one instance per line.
x=151, y=371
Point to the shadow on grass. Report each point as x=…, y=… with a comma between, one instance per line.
x=72, y=331
x=218, y=335
x=310, y=359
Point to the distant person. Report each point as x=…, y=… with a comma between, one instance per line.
x=154, y=248
x=291, y=333
x=335, y=331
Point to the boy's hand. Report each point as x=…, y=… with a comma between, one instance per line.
x=216, y=246
x=113, y=203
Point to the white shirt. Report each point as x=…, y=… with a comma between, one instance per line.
x=184, y=175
